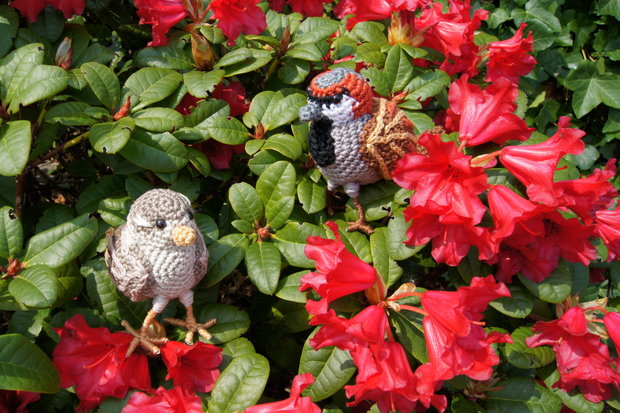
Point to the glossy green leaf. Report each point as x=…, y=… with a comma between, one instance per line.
x=331, y=368
x=158, y=119
x=70, y=114
x=245, y=201
x=231, y=322
x=274, y=109
x=199, y=160
x=11, y=233
x=24, y=366
x=278, y=210
x=518, y=305
x=522, y=394
x=520, y=355
x=313, y=29
x=235, y=348
x=276, y=182
x=240, y=385
x=70, y=283
x=288, y=288
x=228, y=131
x=294, y=71
x=35, y=286
x=41, y=82
x=573, y=400
x=428, y=85
x=150, y=85
x=114, y=210
x=553, y=289
x=224, y=256
x=9, y=22
x=16, y=65
x=61, y=244
x=311, y=195
x=291, y=241
x=410, y=333
x=104, y=84
x=15, y=141
x=111, y=137
x=387, y=268
x=396, y=236
x=165, y=57
x=354, y=241
x=243, y=60
x=285, y=144
x=200, y=84
x=399, y=68
x=262, y=261
x=107, y=186
x=159, y=152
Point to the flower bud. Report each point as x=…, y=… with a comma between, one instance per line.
x=124, y=110
x=64, y=54
x=202, y=52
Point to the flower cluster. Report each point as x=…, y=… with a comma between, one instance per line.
x=93, y=360
x=457, y=344
x=32, y=8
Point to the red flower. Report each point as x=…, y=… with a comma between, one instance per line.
x=485, y=115
x=234, y=95
x=612, y=323
x=32, y=8
x=455, y=340
x=583, y=360
x=93, y=359
x=174, y=400
x=238, y=16
x=68, y=7
x=509, y=59
x=534, y=165
x=193, y=368
x=443, y=180
x=15, y=401
x=308, y=8
x=363, y=10
x=295, y=403
x=533, y=236
x=339, y=273
x=608, y=228
x=162, y=15
x=218, y=153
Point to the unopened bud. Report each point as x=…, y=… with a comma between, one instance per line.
x=124, y=110
x=202, y=51
x=377, y=292
x=64, y=54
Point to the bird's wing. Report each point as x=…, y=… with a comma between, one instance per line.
x=202, y=258
x=387, y=136
x=128, y=267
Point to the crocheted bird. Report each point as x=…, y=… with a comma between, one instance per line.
x=159, y=253
x=355, y=138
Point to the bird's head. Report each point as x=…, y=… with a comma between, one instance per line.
x=339, y=95
x=163, y=217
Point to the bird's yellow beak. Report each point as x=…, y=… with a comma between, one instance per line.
x=184, y=235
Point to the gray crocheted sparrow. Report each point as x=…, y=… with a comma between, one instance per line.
x=355, y=138
x=159, y=253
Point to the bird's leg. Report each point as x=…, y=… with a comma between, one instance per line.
x=143, y=337
x=360, y=224
x=192, y=326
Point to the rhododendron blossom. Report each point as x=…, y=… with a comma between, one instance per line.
x=16, y=401
x=161, y=15
x=510, y=59
x=308, y=8
x=93, y=360
x=192, y=368
x=363, y=10
x=238, y=16
x=175, y=400
x=295, y=403
x=32, y=8
x=583, y=360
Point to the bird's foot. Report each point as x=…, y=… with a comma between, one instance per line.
x=146, y=337
x=192, y=326
x=360, y=225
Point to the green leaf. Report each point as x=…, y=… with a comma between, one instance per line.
x=108, y=298
x=288, y=288
x=16, y=65
x=291, y=241
x=397, y=235
x=573, y=400
x=608, y=7
x=311, y=195
x=518, y=305
x=354, y=241
x=107, y=186
x=114, y=210
x=262, y=260
x=150, y=85
x=11, y=233
x=200, y=84
x=158, y=152
x=371, y=32
x=15, y=141
x=520, y=355
x=206, y=112
x=111, y=137
x=245, y=202
x=553, y=289
x=331, y=367
x=41, y=82
x=240, y=385
x=278, y=210
x=24, y=366
x=306, y=51
x=276, y=182
x=591, y=89
x=199, y=160
x=228, y=131
x=35, y=286
x=544, y=25
x=521, y=394
x=208, y=228
x=9, y=22
x=399, y=68
x=231, y=322
x=165, y=57
x=70, y=283
x=387, y=268
x=70, y=114
x=285, y=144
x=294, y=71
x=104, y=84
x=410, y=334
x=428, y=84
x=158, y=119
x=274, y=109
x=225, y=254
x=313, y=29
x=243, y=60
x=61, y=244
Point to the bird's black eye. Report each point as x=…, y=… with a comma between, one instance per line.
x=160, y=223
x=190, y=214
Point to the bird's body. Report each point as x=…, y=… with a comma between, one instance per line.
x=159, y=252
x=355, y=139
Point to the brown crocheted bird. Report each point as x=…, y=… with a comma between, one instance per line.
x=159, y=253
x=355, y=138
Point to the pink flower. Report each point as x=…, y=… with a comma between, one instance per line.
x=238, y=16
x=162, y=15
x=233, y=94
x=308, y=8
x=32, y=8
x=509, y=59
x=583, y=360
x=174, y=400
x=339, y=272
x=192, y=368
x=16, y=401
x=363, y=10
x=295, y=403
x=607, y=224
x=93, y=360
x=485, y=115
